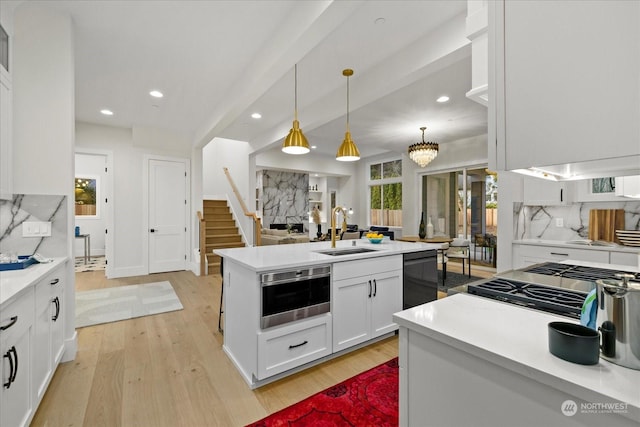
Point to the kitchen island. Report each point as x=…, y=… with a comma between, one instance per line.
x=466, y=360
x=361, y=293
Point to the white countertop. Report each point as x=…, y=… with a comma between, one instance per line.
x=516, y=338
x=264, y=258
x=14, y=281
x=614, y=247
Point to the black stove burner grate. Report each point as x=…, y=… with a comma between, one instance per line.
x=577, y=272
x=553, y=300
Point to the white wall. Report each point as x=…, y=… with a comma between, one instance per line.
x=43, y=115
x=129, y=146
x=235, y=156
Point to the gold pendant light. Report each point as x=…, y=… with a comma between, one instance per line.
x=295, y=142
x=423, y=152
x=348, y=152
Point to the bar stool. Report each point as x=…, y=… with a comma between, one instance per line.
x=221, y=294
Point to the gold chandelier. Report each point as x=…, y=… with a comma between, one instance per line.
x=348, y=152
x=295, y=142
x=423, y=152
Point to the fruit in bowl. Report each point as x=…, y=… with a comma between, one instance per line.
x=375, y=237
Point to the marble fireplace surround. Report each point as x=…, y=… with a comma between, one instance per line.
x=539, y=222
x=285, y=198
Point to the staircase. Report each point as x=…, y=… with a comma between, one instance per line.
x=221, y=231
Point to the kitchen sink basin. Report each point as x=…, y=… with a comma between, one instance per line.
x=347, y=251
x=588, y=242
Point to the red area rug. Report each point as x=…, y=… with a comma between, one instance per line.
x=368, y=399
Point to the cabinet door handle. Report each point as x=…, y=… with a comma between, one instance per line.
x=375, y=287
x=558, y=253
x=8, y=356
x=561, y=190
x=13, y=321
x=54, y=282
x=370, y=289
x=56, y=302
x=298, y=345
x=15, y=370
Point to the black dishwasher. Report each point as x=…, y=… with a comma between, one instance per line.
x=420, y=278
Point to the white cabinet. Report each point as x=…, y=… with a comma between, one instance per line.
x=365, y=294
x=6, y=132
x=525, y=255
x=16, y=334
x=295, y=344
x=49, y=340
x=628, y=186
x=625, y=258
x=566, y=83
x=542, y=192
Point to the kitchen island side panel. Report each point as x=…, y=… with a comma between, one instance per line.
x=444, y=386
x=241, y=317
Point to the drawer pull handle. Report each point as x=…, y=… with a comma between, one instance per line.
x=558, y=253
x=13, y=321
x=54, y=282
x=298, y=345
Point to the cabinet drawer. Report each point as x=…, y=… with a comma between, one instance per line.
x=365, y=267
x=293, y=345
x=625, y=258
x=18, y=313
x=532, y=254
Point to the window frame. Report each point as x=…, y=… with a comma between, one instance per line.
x=382, y=182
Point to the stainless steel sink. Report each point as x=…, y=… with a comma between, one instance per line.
x=588, y=242
x=346, y=251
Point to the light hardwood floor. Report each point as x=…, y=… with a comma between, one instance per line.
x=170, y=370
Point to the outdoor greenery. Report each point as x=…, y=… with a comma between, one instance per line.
x=386, y=196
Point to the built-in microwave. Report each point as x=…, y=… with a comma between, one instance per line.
x=294, y=294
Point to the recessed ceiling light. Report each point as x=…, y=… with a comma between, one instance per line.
x=107, y=112
x=256, y=115
x=156, y=94
x=443, y=98
x=314, y=147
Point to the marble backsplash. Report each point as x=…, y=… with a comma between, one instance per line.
x=30, y=207
x=541, y=222
x=285, y=198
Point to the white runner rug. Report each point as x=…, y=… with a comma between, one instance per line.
x=124, y=302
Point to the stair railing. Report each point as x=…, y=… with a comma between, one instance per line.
x=257, y=222
x=202, y=223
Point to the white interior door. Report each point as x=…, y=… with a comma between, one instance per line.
x=167, y=215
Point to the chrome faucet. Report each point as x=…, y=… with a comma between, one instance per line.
x=334, y=211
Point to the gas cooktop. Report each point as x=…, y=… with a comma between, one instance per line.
x=577, y=272
x=551, y=299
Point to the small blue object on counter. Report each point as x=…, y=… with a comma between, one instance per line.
x=24, y=261
x=589, y=310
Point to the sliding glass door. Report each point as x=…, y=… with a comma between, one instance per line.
x=461, y=203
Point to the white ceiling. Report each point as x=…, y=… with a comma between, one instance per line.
x=219, y=61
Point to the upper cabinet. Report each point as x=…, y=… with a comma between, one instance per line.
x=6, y=117
x=565, y=76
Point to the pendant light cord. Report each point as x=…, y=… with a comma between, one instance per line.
x=295, y=92
x=348, y=104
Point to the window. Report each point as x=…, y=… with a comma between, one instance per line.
x=385, y=193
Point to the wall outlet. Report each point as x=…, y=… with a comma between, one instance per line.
x=36, y=229
x=559, y=222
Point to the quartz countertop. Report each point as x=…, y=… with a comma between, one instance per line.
x=612, y=247
x=265, y=258
x=516, y=338
x=12, y=282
